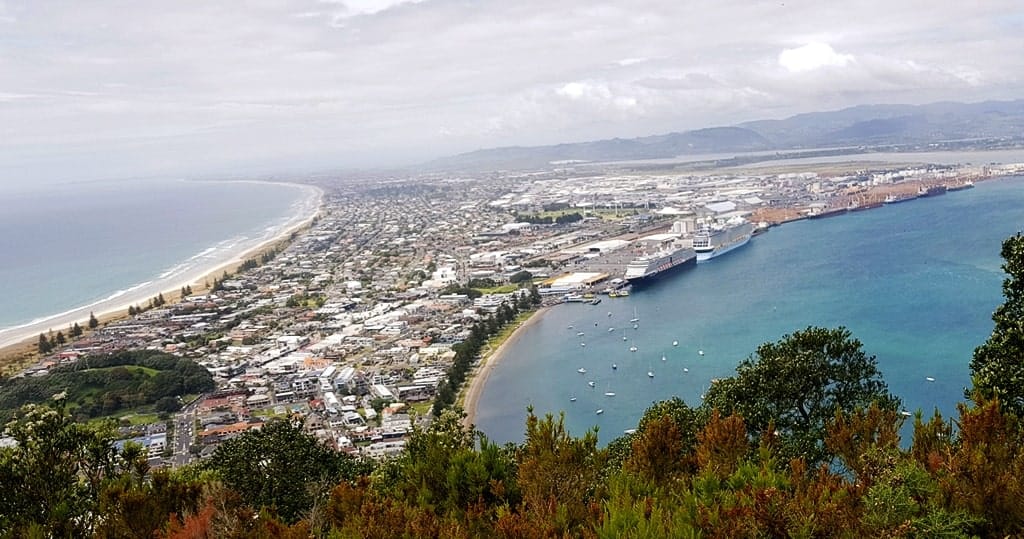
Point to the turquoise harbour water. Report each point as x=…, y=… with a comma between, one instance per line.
x=916, y=282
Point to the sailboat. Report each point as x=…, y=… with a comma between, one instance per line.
x=572, y=399
x=581, y=370
x=675, y=343
x=632, y=348
x=635, y=318
x=650, y=374
x=663, y=358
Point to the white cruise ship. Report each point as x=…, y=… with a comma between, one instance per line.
x=647, y=266
x=716, y=239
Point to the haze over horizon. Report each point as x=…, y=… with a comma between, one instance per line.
x=109, y=88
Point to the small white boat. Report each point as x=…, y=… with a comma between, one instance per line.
x=685, y=369
x=623, y=337
x=650, y=374
x=675, y=343
x=636, y=326
x=929, y=378
x=609, y=313
x=700, y=352
x=609, y=393
x=634, y=320
x=583, y=344
x=663, y=358
x=572, y=399
x=580, y=334
x=591, y=384
x=581, y=370
x=599, y=411
x=632, y=349
x=614, y=366
x=611, y=330
x=570, y=326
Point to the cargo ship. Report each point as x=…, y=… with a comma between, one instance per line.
x=960, y=187
x=717, y=239
x=932, y=191
x=823, y=213
x=865, y=206
x=646, y=267
x=896, y=199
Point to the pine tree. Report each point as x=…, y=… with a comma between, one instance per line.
x=61, y=340
x=44, y=345
x=131, y=310
x=997, y=368
x=93, y=322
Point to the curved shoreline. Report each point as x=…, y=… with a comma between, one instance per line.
x=22, y=337
x=478, y=380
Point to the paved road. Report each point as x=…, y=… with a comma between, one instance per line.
x=184, y=426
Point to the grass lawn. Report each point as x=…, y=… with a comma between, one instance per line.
x=141, y=419
x=421, y=408
x=270, y=412
x=503, y=289
x=506, y=332
x=130, y=368
x=135, y=417
x=603, y=213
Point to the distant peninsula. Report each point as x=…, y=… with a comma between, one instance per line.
x=900, y=128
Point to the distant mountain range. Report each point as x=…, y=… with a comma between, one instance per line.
x=866, y=125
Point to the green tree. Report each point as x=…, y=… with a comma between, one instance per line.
x=51, y=478
x=167, y=404
x=44, y=345
x=793, y=387
x=282, y=469
x=520, y=277
x=93, y=322
x=558, y=474
x=997, y=368
x=535, y=295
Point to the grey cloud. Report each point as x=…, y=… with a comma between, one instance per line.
x=382, y=82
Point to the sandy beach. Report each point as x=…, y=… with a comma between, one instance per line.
x=489, y=362
x=17, y=340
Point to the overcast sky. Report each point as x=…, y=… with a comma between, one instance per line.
x=130, y=87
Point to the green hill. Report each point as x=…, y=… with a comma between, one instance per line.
x=106, y=385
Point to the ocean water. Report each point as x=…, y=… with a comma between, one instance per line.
x=68, y=245
x=915, y=282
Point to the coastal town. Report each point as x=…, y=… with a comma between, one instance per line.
x=353, y=323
